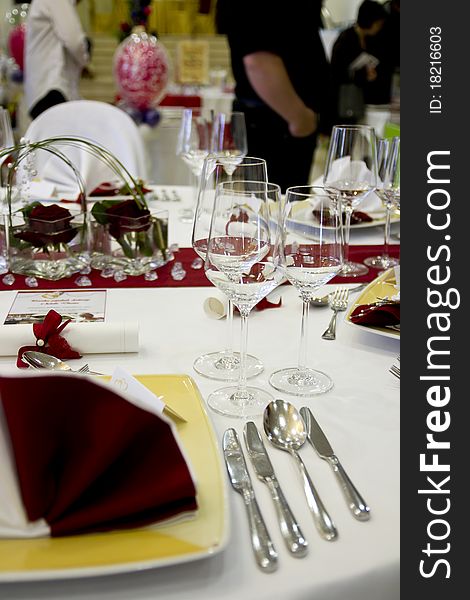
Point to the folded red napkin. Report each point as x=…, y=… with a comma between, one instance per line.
x=112, y=189
x=89, y=460
x=378, y=315
x=356, y=217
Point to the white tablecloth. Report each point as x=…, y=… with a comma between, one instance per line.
x=360, y=416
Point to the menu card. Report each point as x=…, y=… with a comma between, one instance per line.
x=77, y=305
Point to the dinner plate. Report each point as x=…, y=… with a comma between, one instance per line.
x=137, y=549
x=304, y=218
x=382, y=286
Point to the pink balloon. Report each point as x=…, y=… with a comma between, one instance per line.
x=16, y=44
x=141, y=70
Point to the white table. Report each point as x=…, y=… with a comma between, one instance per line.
x=360, y=416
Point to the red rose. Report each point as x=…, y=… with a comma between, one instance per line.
x=127, y=217
x=47, y=225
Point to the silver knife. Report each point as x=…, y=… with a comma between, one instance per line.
x=293, y=536
x=263, y=548
x=317, y=438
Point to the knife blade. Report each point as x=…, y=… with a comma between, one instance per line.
x=263, y=548
x=356, y=503
x=291, y=533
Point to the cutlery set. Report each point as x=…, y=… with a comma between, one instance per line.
x=287, y=429
x=164, y=196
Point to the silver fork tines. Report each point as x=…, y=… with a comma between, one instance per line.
x=338, y=302
x=394, y=370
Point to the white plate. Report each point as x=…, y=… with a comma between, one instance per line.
x=382, y=286
x=305, y=219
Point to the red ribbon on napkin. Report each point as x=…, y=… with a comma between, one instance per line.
x=376, y=315
x=49, y=340
x=88, y=460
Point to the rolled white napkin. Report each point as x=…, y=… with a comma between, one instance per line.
x=86, y=338
x=216, y=306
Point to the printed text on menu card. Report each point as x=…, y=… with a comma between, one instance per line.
x=77, y=305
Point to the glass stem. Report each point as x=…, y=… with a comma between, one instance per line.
x=345, y=231
x=304, y=336
x=229, y=346
x=241, y=391
x=388, y=216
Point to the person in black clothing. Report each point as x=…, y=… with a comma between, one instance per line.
x=281, y=76
x=374, y=77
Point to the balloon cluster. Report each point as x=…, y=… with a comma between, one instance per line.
x=141, y=74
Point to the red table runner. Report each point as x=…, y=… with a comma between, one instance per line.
x=194, y=278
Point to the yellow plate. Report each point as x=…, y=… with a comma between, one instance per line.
x=383, y=286
x=137, y=549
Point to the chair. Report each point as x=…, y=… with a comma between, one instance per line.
x=100, y=122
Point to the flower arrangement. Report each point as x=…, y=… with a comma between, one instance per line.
x=51, y=241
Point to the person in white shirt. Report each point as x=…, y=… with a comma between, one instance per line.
x=56, y=51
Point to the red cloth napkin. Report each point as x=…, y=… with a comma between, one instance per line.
x=111, y=189
x=88, y=460
x=375, y=315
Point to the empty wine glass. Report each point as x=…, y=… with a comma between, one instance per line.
x=388, y=190
x=193, y=145
x=6, y=141
x=309, y=259
x=230, y=142
x=242, y=260
x=224, y=364
x=351, y=174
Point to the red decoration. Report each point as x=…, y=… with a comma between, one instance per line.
x=16, y=44
x=49, y=340
x=141, y=70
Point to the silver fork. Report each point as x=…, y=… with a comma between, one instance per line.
x=338, y=303
x=86, y=369
x=395, y=370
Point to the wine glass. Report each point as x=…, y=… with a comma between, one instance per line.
x=6, y=141
x=224, y=364
x=351, y=174
x=193, y=145
x=309, y=259
x=230, y=143
x=388, y=190
x=242, y=261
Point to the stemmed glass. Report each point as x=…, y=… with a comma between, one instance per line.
x=194, y=144
x=351, y=174
x=230, y=144
x=224, y=364
x=309, y=260
x=242, y=260
x=388, y=190
x=6, y=141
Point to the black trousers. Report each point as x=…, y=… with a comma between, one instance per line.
x=50, y=99
x=289, y=159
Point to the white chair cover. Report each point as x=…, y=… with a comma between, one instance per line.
x=100, y=122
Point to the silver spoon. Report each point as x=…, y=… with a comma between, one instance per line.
x=285, y=429
x=40, y=360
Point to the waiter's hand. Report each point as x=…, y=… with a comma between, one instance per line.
x=304, y=124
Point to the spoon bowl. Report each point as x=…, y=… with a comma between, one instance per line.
x=284, y=426
x=41, y=360
x=286, y=430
